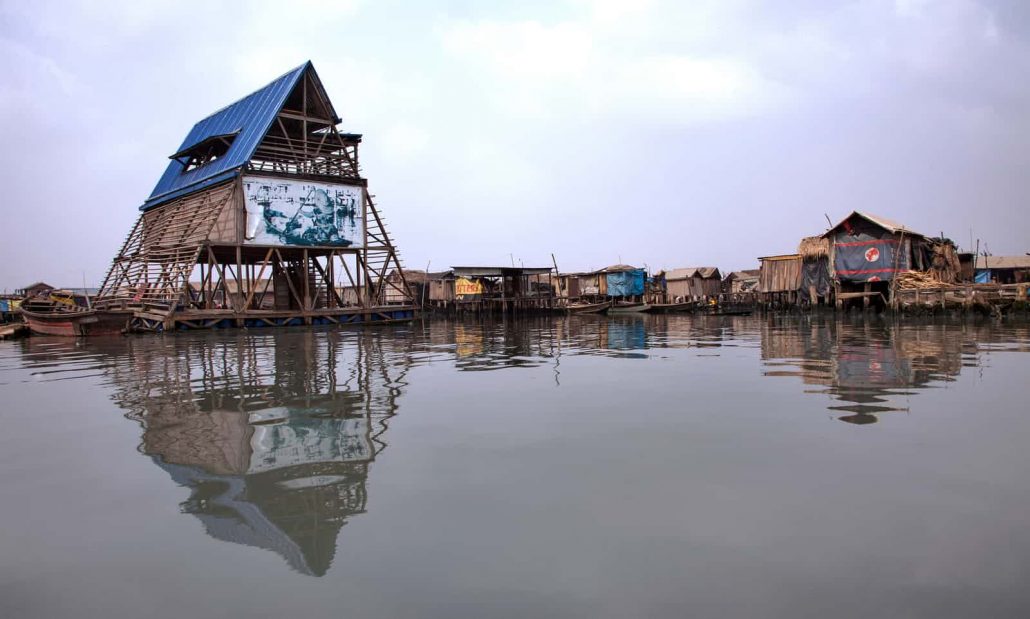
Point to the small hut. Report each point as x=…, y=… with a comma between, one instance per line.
x=38, y=289
x=693, y=283
x=740, y=282
x=617, y=280
x=868, y=252
x=1003, y=269
x=779, y=279
x=624, y=281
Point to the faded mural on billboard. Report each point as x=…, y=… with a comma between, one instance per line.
x=293, y=212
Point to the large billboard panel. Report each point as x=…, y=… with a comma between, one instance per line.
x=302, y=213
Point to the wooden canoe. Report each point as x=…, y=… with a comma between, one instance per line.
x=668, y=308
x=628, y=308
x=587, y=308
x=72, y=321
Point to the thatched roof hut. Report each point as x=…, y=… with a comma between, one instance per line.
x=814, y=248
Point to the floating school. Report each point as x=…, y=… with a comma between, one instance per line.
x=264, y=209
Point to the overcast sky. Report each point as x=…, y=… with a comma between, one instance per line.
x=663, y=134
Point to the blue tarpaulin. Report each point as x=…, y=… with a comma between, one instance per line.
x=983, y=277
x=625, y=283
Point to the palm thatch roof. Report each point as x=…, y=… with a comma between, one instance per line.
x=814, y=248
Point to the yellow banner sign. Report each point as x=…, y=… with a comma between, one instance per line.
x=467, y=287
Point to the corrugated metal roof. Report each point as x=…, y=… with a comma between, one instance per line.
x=488, y=271
x=883, y=222
x=250, y=118
x=1003, y=262
x=781, y=257
x=746, y=274
x=620, y=268
x=689, y=272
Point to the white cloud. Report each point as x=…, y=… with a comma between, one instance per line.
x=591, y=65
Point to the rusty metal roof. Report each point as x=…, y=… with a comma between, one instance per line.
x=887, y=224
x=488, y=271
x=690, y=272
x=1003, y=262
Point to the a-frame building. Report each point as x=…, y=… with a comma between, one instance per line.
x=262, y=218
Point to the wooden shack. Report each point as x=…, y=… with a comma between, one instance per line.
x=263, y=199
x=493, y=289
x=740, y=282
x=779, y=279
x=1003, y=269
x=868, y=252
x=37, y=289
x=693, y=284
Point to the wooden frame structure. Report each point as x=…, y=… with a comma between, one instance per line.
x=188, y=262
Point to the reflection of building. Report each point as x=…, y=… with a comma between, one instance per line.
x=272, y=434
x=865, y=364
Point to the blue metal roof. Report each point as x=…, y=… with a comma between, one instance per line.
x=250, y=118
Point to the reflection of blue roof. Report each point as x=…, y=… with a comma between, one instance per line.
x=251, y=117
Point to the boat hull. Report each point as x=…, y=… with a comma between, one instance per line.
x=629, y=309
x=588, y=308
x=76, y=324
x=669, y=308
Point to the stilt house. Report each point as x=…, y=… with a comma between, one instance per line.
x=693, y=283
x=263, y=201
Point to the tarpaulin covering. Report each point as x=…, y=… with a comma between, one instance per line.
x=816, y=273
x=858, y=258
x=982, y=277
x=625, y=283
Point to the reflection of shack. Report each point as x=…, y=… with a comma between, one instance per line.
x=779, y=280
x=272, y=460
x=862, y=366
x=493, y=289
x=693, y=284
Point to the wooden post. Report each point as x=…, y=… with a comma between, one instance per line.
x=866, y=288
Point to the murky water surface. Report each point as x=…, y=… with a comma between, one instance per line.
x=561, y=467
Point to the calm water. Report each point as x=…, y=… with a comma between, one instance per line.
x=566, y=467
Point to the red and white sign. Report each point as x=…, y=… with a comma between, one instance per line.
x=872, y=254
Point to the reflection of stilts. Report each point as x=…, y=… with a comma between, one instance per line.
x=273, y=434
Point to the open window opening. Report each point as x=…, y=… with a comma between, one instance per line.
x=204, y=152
